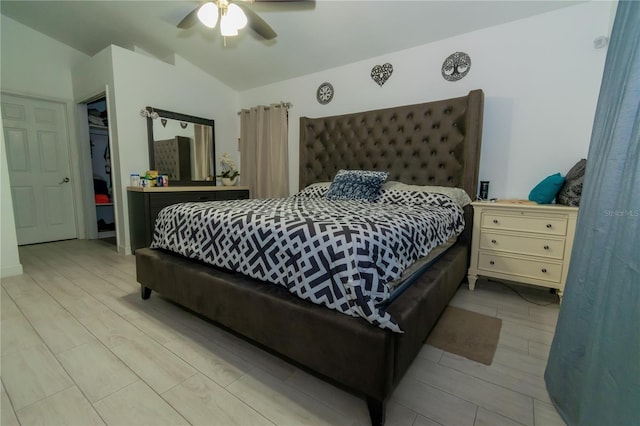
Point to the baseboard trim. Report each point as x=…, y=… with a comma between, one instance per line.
x=10, y=271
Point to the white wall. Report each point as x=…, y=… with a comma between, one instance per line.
x=43, y=72
x=93, y=77
x=9, y=257
x=540, y=75
x=138, y=81
x=35, y=64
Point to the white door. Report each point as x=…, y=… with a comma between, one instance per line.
x=37, y=146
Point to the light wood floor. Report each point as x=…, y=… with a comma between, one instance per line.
x=80, y=347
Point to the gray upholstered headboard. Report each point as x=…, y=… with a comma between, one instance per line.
x=173, y=157
x=435, y=143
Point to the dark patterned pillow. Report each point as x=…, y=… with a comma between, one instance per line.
x=571, y=191
x=315, y=190
x=356, y=185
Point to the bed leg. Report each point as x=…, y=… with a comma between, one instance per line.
x=376, y=411
x=145, y=292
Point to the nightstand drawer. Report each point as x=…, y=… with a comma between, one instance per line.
x=547, y=271
x=544, y=247
x=544, y=225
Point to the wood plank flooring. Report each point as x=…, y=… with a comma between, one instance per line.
x=79, y=347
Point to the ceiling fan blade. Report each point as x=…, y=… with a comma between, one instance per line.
x=256, y=23
x=190, y=20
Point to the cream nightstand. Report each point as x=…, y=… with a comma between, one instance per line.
x=528, y=243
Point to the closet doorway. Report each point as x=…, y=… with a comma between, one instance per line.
x=101, y=217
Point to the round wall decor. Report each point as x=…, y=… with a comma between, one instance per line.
x=324, y=94
x=456, y=66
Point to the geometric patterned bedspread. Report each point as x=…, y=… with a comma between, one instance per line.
x=340, y=254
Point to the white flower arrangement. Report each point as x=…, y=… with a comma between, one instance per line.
x=229, y=170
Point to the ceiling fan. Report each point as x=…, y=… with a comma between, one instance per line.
x=233, y=15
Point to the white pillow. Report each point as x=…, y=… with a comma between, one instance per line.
x=458, y=195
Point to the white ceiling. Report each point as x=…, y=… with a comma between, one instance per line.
x=310, y=39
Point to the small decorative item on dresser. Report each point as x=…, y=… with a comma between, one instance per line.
x=229, y=175
x=229, y=182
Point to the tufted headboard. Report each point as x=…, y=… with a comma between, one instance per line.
x=435, y=143
x=173, y=157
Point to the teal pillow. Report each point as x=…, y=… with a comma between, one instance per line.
x=546, y=191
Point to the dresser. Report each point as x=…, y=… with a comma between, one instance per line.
x=146, y=203
x=528, y=243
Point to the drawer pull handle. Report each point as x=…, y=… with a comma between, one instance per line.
x=546, y=247
x=544, y=270
x=493, y=241
x=548, y=225
x=491, y=262
x=495, y=221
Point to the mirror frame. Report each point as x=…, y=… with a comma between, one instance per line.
x=188, y=118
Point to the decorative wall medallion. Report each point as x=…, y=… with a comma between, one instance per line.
x=164, y=122
x=381, y=73
x=324, y=94
x=183, y=125
x=456, y=66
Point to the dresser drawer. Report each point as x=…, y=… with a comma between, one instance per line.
x=232, y=194
x=159, y=201
x=544, y=225
x=530, y=268
x=544, y=247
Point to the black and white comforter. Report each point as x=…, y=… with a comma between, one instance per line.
x=340, y=254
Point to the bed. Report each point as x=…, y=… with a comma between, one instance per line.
x=435, y=143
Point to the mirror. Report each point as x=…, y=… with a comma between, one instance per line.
x=181, y=146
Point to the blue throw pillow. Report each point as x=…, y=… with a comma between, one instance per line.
x=546, y=191
x=356, y=185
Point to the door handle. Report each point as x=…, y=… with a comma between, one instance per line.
x=65, y=180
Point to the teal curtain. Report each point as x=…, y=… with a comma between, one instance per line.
x=593, y=371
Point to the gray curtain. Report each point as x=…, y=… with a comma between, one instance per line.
x=264, y=151
x=593, y=371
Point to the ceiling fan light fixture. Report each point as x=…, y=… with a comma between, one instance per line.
x=227, y=27
x=208, y=14
x=236, y=16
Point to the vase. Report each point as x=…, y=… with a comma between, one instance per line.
x=229, y=182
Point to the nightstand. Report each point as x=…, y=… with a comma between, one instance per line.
x=528, y=243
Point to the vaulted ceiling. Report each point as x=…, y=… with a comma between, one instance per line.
x=311, y=36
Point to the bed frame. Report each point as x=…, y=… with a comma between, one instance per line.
x=436, y=143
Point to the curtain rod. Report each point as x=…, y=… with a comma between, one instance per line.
x=286, y=105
